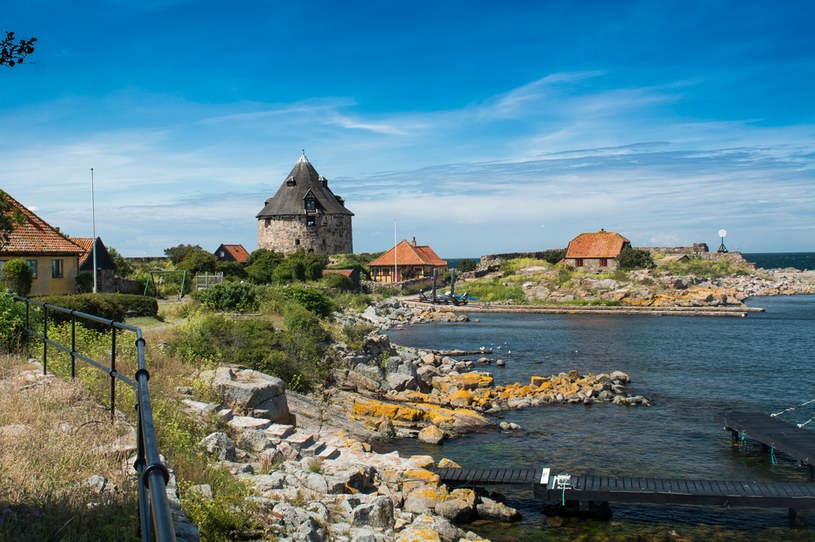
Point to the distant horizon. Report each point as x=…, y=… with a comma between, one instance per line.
x=475, y=127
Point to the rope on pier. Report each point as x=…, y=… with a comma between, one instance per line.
x=792, y=408
x=801, y=425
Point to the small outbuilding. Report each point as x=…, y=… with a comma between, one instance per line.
x=405, y=261
x=596, y=251
x=105, y=266
x=232, y=253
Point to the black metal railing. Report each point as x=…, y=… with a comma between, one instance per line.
x=155, y=520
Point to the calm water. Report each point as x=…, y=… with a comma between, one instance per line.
x=689, y=367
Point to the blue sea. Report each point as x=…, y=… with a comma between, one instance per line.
x=689, y=367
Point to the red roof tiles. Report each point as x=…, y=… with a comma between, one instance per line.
x=237, y=252
x=409, y=254
x=34, y=236
x=602, y=244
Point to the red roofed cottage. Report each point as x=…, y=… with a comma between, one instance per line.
x=406, y=261
x=52, y=257
x=596, y=251
x=231, y=253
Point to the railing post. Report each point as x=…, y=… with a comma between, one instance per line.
x=73, y=345
x=45, y=339
x=112, y=371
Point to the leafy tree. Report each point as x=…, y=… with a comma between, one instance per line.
x=123, y=267
x=178, y=253
x=198, y=261
x=13, y=52
x=262, y=264
x=10, y=218
x=633, y=258
x=555, y=255
x=18, y=276
x=467, y=264
x=229, y=296
x=84, y=282
x=232, y=270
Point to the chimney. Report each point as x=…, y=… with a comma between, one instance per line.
x=414, y=241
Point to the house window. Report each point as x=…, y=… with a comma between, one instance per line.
x=578, y=262
x=56, y=269
x=311, y=221
x=311, y=204
x=223, y=253
x=33, y=265
x=267, y=222
x=603, y=262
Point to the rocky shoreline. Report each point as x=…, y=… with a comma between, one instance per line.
x=309, y=458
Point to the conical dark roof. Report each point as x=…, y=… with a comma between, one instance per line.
x=303, y=181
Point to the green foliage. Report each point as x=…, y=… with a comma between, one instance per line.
x=633, y=258
x=354, y=335
x=198, y=261
x=123, y=267
x=262, y=264
x=564, y=275
x=348, y=300
x=554, y=256
x=496, y=289
x=514, y=265
x=84, y=282
x=297, y=355
x=337, y=282
x=12, y=323
x=178, y=253
x=17, y=276
x=231, y=270
x=313, y=299
x=229, y=296
x=10, y=216
x=467, y=264
x=706, y=268
x=137, y=305
x=13, y=52
x=228, y=515
x=102, y=305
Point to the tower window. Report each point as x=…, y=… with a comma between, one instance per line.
x=290, y=181
x=311, y=221
x=311, y=204
x=297, y=242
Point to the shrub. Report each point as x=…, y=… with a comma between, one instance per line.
x=314, y=300
x=262, y=264
x=12, y=322
x=229, y=296
x=467, y=264
x=84, y=282
x=17, y=276
x=137, y=305
x=633, y=258
x=554, y=256
x=101, y=305
x=337, y=282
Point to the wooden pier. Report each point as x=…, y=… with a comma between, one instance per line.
x=773, y=433
x=578, y=490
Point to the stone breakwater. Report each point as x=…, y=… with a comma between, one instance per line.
x=401, y=392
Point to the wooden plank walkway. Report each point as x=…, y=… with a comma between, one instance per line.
x=638, y=489
x=774, y=433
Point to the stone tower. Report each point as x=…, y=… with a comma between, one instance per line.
x=305, y=215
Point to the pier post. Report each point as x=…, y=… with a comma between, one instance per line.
x=797, y=519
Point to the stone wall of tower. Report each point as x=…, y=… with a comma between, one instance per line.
x=331, y=234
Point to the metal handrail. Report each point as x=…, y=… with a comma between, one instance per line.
x=155, y=519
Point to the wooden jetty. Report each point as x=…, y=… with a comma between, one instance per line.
x=578, y=490
x=774, y=433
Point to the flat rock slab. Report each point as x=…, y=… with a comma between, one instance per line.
x=241, y=423
x=279, y=430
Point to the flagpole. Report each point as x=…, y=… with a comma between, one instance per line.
x=395, y=251
x=93, y=216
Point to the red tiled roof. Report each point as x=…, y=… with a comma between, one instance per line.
x=409, y=254
x=602, y=244
x=35, y=236
x=236, y=252
x=86, y=243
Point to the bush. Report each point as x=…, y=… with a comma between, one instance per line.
x=84, y=282
x=12, y=323
x=633, y=258
x=101, y=305
x=229, y=296
x=134, y=304
x=17, y=276
x=554, y=256
x=337, y=282
x=314, y=300
x=262, y=264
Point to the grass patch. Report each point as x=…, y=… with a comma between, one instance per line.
x=494, y=290
x=49, y=430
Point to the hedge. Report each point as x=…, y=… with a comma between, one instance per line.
x=110, y=306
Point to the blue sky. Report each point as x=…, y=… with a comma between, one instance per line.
x=480, y=127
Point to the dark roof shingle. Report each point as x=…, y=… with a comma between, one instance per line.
x=289, y=199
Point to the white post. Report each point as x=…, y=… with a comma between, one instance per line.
x=93, y=216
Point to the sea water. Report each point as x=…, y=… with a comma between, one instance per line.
x=690, y=368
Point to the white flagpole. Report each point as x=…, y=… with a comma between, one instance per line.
x=93, y=215
x=395, y=262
